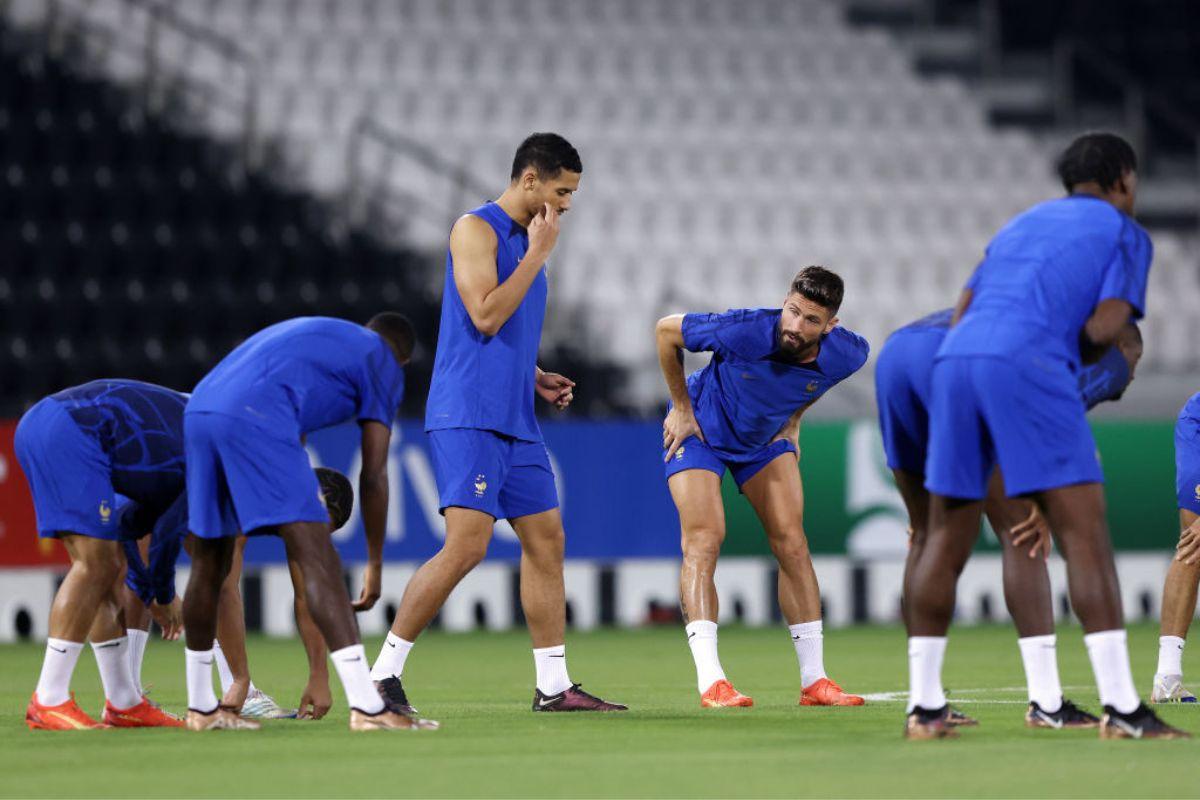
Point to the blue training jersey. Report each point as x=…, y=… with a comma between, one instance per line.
x=749, y=389
x=305, y=374
x=1044, y=274
x=487, y=382
x=1105, y=380
x=140, y=428
x=153, y=580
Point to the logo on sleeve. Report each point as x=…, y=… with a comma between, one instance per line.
x=105, y=512
x=480, y=485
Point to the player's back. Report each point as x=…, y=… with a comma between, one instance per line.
x=906, y=358
x=302, y=375
x=1043, y=275
x=140, y=426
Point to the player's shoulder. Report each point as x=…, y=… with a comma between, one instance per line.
x=476, y=227
x=1191, y=409
x=846, y=350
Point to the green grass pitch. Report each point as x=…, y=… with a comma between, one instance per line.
x=491, y=744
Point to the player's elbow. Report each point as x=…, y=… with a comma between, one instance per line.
x=486, y=324
x=668, y=330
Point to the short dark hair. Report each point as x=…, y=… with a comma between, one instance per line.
x=337, y=494
x=821, y=286
x=1100, y=157
x=548, y=153
x=397, y=330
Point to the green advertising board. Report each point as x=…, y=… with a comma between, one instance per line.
x=851, y=504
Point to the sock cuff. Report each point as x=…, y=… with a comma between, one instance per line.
x=63, y=644
x=348, y=653
x=1099, y=637
x=197, y=654
x=216, y=648
x=1047, y=638
x=396, y=640
x=806, y=630
x=927, y=640
x=1178, y=641
x=702, y=628
x=136, y=633
x=553, y=650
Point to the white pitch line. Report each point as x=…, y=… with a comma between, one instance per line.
x=955, y=695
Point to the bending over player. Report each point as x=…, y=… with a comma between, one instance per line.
x=742, y=413
x=248, y=472
x=1179, y=591
x=902, y=384
x=1058, y=284
x=80, y=449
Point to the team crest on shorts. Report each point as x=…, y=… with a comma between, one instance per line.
x=105, y=512
x=1198, y=491
x=480, y=485
x=679, y=454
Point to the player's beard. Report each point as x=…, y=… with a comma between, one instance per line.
x=797, y=347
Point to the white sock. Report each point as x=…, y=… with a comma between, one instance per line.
x=702, y=639
x=138, y=640
x=1170, y=655
x=223, y=670
x=925, y=655
x=1110, y=663
x=54, y=685
x=810, y=651
x=113, y=659
x=199, y=680
x=392, y=656
x=351, y=665
x=551, y=666
x=1040, y=657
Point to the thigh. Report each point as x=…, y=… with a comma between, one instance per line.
x=470, y=467
x=777, y=496
x=528, y=488
x=68, y=472
x=961, y=454
x=697, y=496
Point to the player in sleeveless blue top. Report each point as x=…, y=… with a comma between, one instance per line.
x=1183, y=577
x=248, y=472
x=82, y=451
x=903, y=373
x=488, y=457
x=742, y=412
x=1057, y=285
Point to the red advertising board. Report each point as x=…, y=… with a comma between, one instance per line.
x=19, y=542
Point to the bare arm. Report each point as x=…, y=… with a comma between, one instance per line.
x=316, y=699
x=681, y=420
x=791, y=428
x=1102, y=328
x=373, y=499
x=960, y=308
x=473, y=248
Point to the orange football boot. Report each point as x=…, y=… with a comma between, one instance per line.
x=827, y=693
x=144, y=715
x=66, y=716
x=722, y=695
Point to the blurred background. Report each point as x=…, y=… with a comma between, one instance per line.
x=175, y=176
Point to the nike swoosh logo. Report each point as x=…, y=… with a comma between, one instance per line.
x=554, y=656
x=1049, y=720
x=391, y=645
x=55, y=649
x=795, y=638
x=690, y=635
x=105, y=646
x=351, y=660
x=550, y=701
x=210, y=662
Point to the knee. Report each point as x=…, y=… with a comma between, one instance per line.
x=102, y=565
x=791, y=546
x=547, y=546
x=464, y=556
x=701, y=545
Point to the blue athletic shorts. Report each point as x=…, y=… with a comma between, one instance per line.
x=492, y=473
x=695, y=454
x=241, y=478
x=1187, y=462
x=1029, y=418
x=903, y=374
x=68, y=473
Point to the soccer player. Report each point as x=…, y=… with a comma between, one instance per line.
x=150, y=588
x=902, y=385
x=1057, y=285
x=488, y=456
x=80, y=449
x=248, y=472
x=1179, y=591
x=742, y=413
